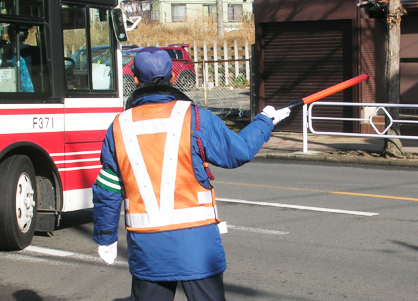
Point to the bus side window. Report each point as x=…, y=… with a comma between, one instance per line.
x=75, y=52
x=102, y=59
x=22, y=62
x=88, y=64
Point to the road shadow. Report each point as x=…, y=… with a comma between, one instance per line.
x=70, y=220
x=75, y=218
x=406, y=245
x=24, y=295
x=244, y=291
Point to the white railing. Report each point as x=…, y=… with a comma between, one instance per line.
x=369, y=111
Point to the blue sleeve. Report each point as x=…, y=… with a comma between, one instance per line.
x=227, y=149
x=107, y=195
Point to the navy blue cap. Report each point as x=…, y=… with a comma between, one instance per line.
x=152, y=62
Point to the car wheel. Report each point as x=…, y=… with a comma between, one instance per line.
x=186, y=81
x=18, y=203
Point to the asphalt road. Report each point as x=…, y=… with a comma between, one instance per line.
x=296, y=231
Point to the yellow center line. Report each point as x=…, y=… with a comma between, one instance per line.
x=323, y=191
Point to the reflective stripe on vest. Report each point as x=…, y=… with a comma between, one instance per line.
x=163, y=216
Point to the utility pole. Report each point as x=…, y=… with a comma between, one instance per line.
x=393, y=147
x=220, y=19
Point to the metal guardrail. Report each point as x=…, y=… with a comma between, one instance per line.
x=373, y=109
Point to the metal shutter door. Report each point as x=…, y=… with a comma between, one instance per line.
x=302, y=58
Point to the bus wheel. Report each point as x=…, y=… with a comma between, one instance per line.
x=18, y=204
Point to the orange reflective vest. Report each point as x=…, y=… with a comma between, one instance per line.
x=153, y=149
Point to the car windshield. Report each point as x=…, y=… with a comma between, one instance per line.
x=126, y=60
x=175, y=54
x=98, y=54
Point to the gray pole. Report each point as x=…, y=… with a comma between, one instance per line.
x=393, y=147
x=220, y=19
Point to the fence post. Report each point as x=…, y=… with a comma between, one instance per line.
x=215, y=57
x=196, y=66
x=305, y=128
x=236, y=57
x=226, y=63
x=205, y=84
x=205, y=58
x=247, y=63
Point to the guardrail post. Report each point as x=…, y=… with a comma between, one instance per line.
x=305, y=128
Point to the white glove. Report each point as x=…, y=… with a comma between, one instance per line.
x=276, y=115
x=108, y=253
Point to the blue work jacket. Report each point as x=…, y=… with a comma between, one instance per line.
x=186, y=254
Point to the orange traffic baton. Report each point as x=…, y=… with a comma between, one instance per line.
x=326, y=92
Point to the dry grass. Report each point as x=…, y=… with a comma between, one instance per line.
x=152, y=33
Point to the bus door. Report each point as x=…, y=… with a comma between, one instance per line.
x=91, y=100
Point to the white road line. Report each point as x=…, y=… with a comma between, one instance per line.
x=25, y=255
x=298, y=207
x=257, y=230
x=47, y=251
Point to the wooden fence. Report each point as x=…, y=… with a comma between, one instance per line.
x=238, y=52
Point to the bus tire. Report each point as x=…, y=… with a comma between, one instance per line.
x=18, y=203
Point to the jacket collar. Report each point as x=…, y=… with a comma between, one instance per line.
x=155, y=94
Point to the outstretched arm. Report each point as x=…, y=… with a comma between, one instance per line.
x=107, y=195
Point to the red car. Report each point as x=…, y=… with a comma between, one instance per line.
x=183, y=69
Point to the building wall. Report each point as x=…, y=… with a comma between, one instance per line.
x=303, y=10
x=194, y=9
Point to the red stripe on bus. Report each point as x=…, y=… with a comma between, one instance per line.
x=83, y=147
x=93, y=110
x=52, y=142
x=85, y=136
x=39, y=111
x=82, y=178
x=34, y=111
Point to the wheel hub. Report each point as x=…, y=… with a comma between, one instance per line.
x=24, y=202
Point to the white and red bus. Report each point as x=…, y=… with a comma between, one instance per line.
x=60, y=89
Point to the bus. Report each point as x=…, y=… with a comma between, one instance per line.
x=54, y=112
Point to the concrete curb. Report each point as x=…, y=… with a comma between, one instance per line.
x=323, y=157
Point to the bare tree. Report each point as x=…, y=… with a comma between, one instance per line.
x=220, y=19
x=393, y=147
